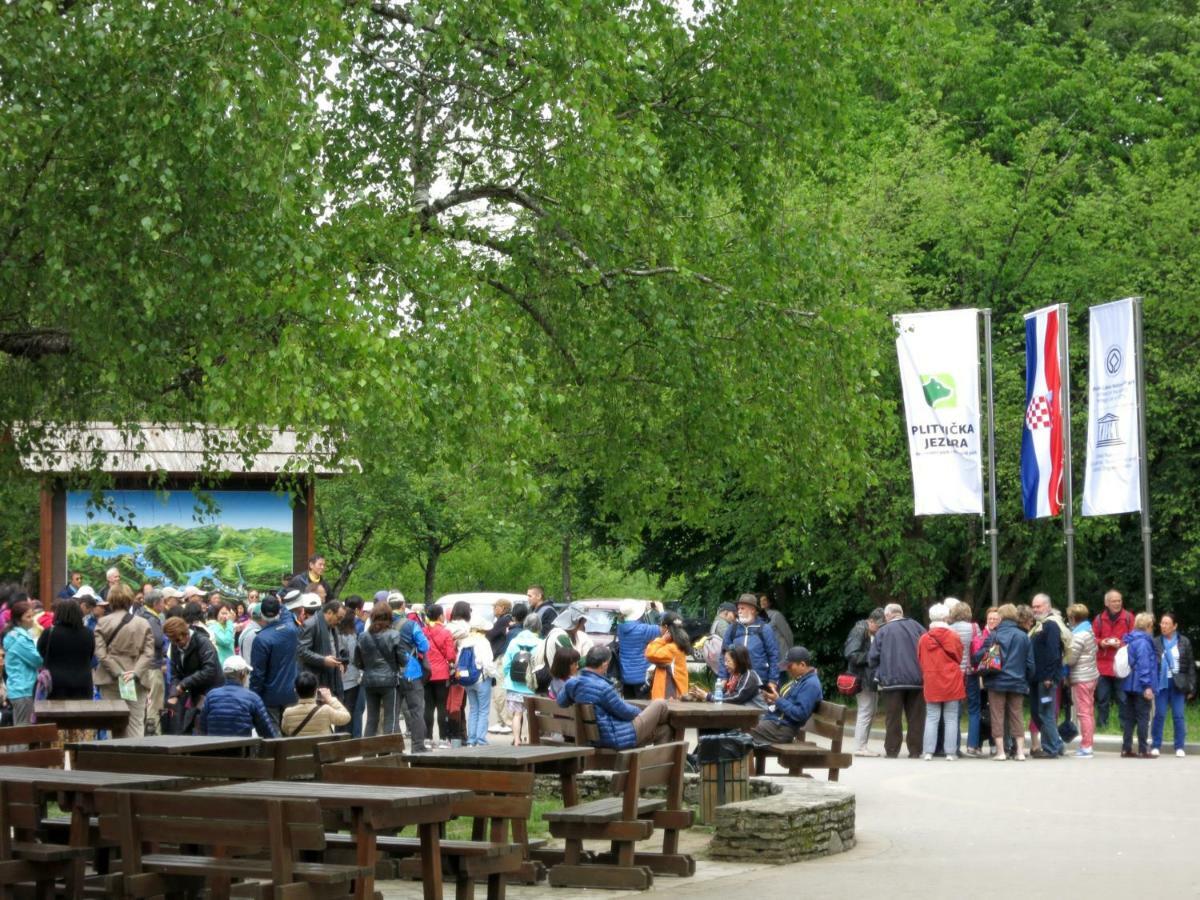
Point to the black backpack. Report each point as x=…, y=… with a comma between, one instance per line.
x=519, y=671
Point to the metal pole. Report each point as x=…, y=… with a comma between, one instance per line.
x=1143, y=462
x=1064, y=374
x=992, y=532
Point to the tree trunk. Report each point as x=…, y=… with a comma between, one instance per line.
x=346, y=567
x=431, y=561
x=566, y=569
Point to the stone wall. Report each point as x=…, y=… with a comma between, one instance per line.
x=805, y=819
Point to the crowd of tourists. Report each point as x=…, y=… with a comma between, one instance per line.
x=1074, y=669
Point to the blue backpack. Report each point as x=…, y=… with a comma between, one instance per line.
x=468, y=670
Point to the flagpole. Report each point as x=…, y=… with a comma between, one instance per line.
x=1064, y=374
x=992, y=532
x=1143, y=453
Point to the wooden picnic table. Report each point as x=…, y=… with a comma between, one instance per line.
x=76, y=794
x=685, y=714
x=172, y=744
x=565, y=760
x=370, y=809
x=112, y=715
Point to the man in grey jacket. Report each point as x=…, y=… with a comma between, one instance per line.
x=893, y=656
x=856, y=651
x=318, y=651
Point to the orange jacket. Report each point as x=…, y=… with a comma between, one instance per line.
x=666, y=657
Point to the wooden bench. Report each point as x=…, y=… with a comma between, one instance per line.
x=234, y=831
x=550, y=723
x=625, y=819
x=498, y=798
x=293, y=757
x=223, y=768
x=359, y=749
x=829, y=721
x=23, y=857
x=39, y=742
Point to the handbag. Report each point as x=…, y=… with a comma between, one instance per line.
x=991, y=661
x=456, y=696
x=45, y=681
x=848, y=684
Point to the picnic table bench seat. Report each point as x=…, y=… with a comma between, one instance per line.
x=497, y=799
x=829, y=721
x=22, y=858
x=37, y=745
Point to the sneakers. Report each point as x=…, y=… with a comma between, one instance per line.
x=1154, y=752
x=975, y=752
x=951, y=756
x=1180, y=753
x=1084, y=753
x=1043, y=754
x=1128, y=754
x=503, y=729
x=495, y=729
x=927, y=756
x=865, y=752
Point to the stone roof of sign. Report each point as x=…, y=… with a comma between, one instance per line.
x=175, y=449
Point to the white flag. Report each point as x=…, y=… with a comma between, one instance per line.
x=939, y=371
x=1112, y=478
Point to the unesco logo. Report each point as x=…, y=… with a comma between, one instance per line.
x=1113, y=360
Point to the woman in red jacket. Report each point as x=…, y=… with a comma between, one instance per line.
x=940, y=653
x=442, y=655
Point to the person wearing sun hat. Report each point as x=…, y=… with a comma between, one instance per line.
x=233, y=710
x=758, y=637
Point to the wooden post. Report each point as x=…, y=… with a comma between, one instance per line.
x=46, y=547
x=310, y=518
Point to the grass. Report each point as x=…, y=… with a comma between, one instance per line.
x=460, y=829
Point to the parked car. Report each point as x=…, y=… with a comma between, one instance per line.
x=481, y=602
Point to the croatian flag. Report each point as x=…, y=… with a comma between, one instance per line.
x=1042, y=440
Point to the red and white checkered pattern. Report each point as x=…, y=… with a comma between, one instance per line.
x=1038, y=414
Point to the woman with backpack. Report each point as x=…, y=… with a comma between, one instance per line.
x=669, y=653
x=1006, y=663
x=382, y=661
x=517, y=666
x=473, y=671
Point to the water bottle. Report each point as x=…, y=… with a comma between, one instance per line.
x=719, y=693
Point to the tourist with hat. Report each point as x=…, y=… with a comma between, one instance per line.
x=233, y=710
x=789, y=709
x=568, y=630
x=758, y=637
x=633, y=636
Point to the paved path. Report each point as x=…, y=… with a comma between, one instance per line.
x=1104, y=827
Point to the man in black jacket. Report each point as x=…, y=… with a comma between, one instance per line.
x=893, y=656
x=319, y=648
x=195, y=670
x=856, y=651
x=1046, y=637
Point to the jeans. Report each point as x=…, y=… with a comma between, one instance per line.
x=867, y=701
x=411, y=693
x=947, y=713
x=1084, y=696
x=974, y=707
x=479, y=705
x=381, y=704
x=1046, y=712
x=1108, y=691
x=1134, y=709
x=350, y=701
x=1175, y=698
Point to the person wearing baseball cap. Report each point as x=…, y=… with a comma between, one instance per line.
x=788, y=710
x=758, y=637
x=233, y=710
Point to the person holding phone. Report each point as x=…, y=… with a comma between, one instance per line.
x=316, y=710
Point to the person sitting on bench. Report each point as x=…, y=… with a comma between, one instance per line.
x=316, y=710
x=789, y=708
x=621, y=726
x=232, y=710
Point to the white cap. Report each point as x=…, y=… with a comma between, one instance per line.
x=169, y=592
x=85, y=591
x=192, y=591
x=310, y=601
x=479, y=623
x=235, y=665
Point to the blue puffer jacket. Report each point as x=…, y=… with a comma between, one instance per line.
x=232, y=710
x=759, y=639
x=633, y=638
x=1143, y=662
x=1016, y=659
x=614, y=717
x=798, y=700
x=274, y=662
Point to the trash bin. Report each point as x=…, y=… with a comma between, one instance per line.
x=724, y=771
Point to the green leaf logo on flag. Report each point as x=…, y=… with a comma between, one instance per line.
x=940, y=390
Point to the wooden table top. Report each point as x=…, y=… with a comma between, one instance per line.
x=85, y=779
x=62, y=710
x=694, y=714
x=338, y=795
x=173, y=744
x=504, y=756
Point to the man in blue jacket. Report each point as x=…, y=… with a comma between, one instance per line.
x=412, y=687
x=233, y=710
x=893, y=656
x=621, y=726
x=758, y=637
x=632, y=637
x=789, y=709
x=273, y=672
